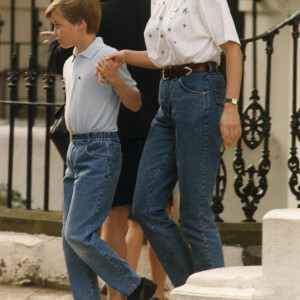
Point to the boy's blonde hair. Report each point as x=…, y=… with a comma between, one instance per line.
x=76, y=10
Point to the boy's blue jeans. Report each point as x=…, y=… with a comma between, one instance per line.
x=184, y=141
x=93, y=167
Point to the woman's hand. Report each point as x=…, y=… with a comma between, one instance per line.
x=230, y=124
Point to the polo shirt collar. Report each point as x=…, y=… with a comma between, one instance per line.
x=91, y=50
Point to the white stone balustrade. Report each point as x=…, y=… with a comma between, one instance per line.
x=277, y=279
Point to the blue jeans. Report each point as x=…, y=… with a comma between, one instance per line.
x=184, y=143
x=93, y=167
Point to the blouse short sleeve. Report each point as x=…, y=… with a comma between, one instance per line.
x=219, y=21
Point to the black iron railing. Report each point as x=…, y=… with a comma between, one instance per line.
x=251, y=183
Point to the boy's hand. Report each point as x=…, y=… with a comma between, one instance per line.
x=117, y=57
x=46, y=33
x=106, y=70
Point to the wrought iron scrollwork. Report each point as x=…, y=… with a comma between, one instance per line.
x=293, y=164
x=256, y=129
x=31, y=76
x=251, y=183
x=255, y=122
x=13, y=78
x=251, y=192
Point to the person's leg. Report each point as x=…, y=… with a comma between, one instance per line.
x=198, y=144
x=134, y=242
x=115, y=228
x=113, y=233
x=157, y=176
x=74, y=264
x=157, y=272
x=96, y=169
x=190, y=111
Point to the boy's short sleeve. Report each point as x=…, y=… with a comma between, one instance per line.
x=124, y=73
x=219, y=21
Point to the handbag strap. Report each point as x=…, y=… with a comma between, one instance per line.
x=60, y=112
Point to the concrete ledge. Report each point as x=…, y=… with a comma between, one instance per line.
x=30, y=221
x=41, y=222
x=32, y=260
x=244, y=234
x=30, y=238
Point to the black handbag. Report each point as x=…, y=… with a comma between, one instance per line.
x=59, y=133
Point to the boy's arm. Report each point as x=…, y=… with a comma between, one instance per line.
x=130, y=97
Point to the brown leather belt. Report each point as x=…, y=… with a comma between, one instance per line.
x=184, y=70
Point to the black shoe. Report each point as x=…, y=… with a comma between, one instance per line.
x=144, y=291
x=155, y=298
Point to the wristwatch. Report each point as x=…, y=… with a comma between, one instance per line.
x=231, y=100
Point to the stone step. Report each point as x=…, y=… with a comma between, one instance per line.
x=225, y=283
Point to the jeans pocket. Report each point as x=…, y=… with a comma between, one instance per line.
x=98, y=149
x=192, y=83
x=220, y=97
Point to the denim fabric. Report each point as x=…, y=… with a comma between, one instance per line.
x=184, y=142
x=93, y=167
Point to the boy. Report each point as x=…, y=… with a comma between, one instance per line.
x=94, y=155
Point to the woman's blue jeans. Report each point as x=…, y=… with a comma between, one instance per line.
x=184, y=142
x=93, y=167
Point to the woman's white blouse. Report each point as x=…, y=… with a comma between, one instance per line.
x=188, y=31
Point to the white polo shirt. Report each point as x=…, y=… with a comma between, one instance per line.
x=188, y=31
x=90, y=105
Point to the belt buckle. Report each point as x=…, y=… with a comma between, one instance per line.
x=163, y=74
x=189, y=70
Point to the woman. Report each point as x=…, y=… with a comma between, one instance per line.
x=185, y=38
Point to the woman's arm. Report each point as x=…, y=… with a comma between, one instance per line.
x=138, y=59
x=131, y=57
x=230, y=119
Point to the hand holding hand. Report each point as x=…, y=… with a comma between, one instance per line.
x=106, y=69
x=117, y=57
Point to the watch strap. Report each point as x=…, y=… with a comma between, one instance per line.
x=231, y=100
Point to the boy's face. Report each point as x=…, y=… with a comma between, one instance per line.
x=65, y=31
